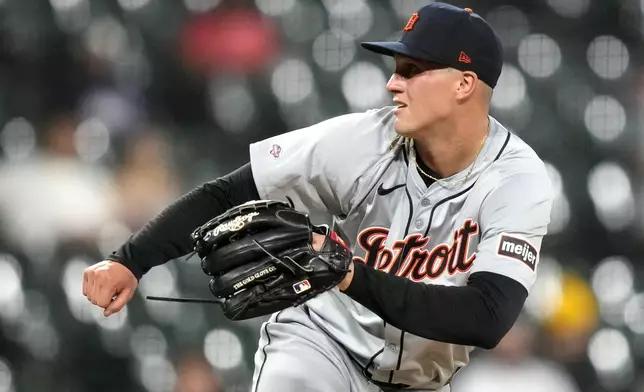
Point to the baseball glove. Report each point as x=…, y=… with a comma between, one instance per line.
x=261, y=259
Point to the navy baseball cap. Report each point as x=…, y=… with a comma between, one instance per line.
x=451, y=36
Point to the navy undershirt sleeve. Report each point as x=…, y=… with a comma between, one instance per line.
x=478, y=314
x=167, y=236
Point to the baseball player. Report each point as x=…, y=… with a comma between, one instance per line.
x=444, y=209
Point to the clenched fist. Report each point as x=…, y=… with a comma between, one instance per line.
x=109, y=285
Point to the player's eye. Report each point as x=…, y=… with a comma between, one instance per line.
x=408, y=71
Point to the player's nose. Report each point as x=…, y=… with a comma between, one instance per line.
x=396, y=84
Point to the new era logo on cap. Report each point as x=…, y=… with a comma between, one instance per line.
x=464, y=58
x=301, y=287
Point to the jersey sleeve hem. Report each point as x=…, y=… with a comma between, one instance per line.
x=258, y=176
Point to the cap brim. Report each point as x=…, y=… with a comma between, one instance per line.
x=398, y=48
x=387, y=48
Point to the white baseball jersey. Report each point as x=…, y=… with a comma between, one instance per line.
x=493, y=221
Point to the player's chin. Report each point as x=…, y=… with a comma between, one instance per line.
x=403, y=128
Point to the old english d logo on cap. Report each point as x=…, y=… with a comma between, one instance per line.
x=411, y=22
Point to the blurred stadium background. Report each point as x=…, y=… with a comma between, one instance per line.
x=111, y=109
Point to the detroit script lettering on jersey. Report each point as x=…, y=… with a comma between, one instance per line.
x=410, y=259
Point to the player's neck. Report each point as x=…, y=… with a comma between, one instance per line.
x=450, y=147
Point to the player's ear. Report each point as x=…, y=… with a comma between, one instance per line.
x=467, y=85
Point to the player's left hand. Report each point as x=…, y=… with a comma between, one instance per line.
x=318, y=243
x=264, y=256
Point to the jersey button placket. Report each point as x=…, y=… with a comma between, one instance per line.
x=424, y=203
x=418, y=223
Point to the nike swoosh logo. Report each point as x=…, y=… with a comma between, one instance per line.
x=382, y=191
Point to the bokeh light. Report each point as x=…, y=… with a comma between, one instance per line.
x=92, y=140
x=71, y=15
x=612, y=280
x=333, y=50
x=405, y=8
x=114, y=322
x=608, y=57
x=609, y=352
x=292, y=81
x=232, y=104
x=275, y=8
x=11, y=291
x=605, y=118
x=71, y=281
x=36, y=332
x=111, y=235
x=117, y=341
x=147, y=341
x=510, y=90
x=64, y=4
x=510, y=23
x=546, y=291
x=539, y=55
x=157, y=374
x=201, y=5
x=560, y=213
x=634, y=314
x=106, y=38
x=222, y=349
x=353, y=17
x=132, y=5
x=363, y=85
x=555, y=179
x=10, y=285
x=611, y=192
x=304, y=21
x=569, y=8
x=6, y=377
x=159, y=281
x=18, y=139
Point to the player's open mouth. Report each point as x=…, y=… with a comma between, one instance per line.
x=399, y=105
x=399, y=108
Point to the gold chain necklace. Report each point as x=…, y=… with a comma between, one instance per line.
x=440, y=180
